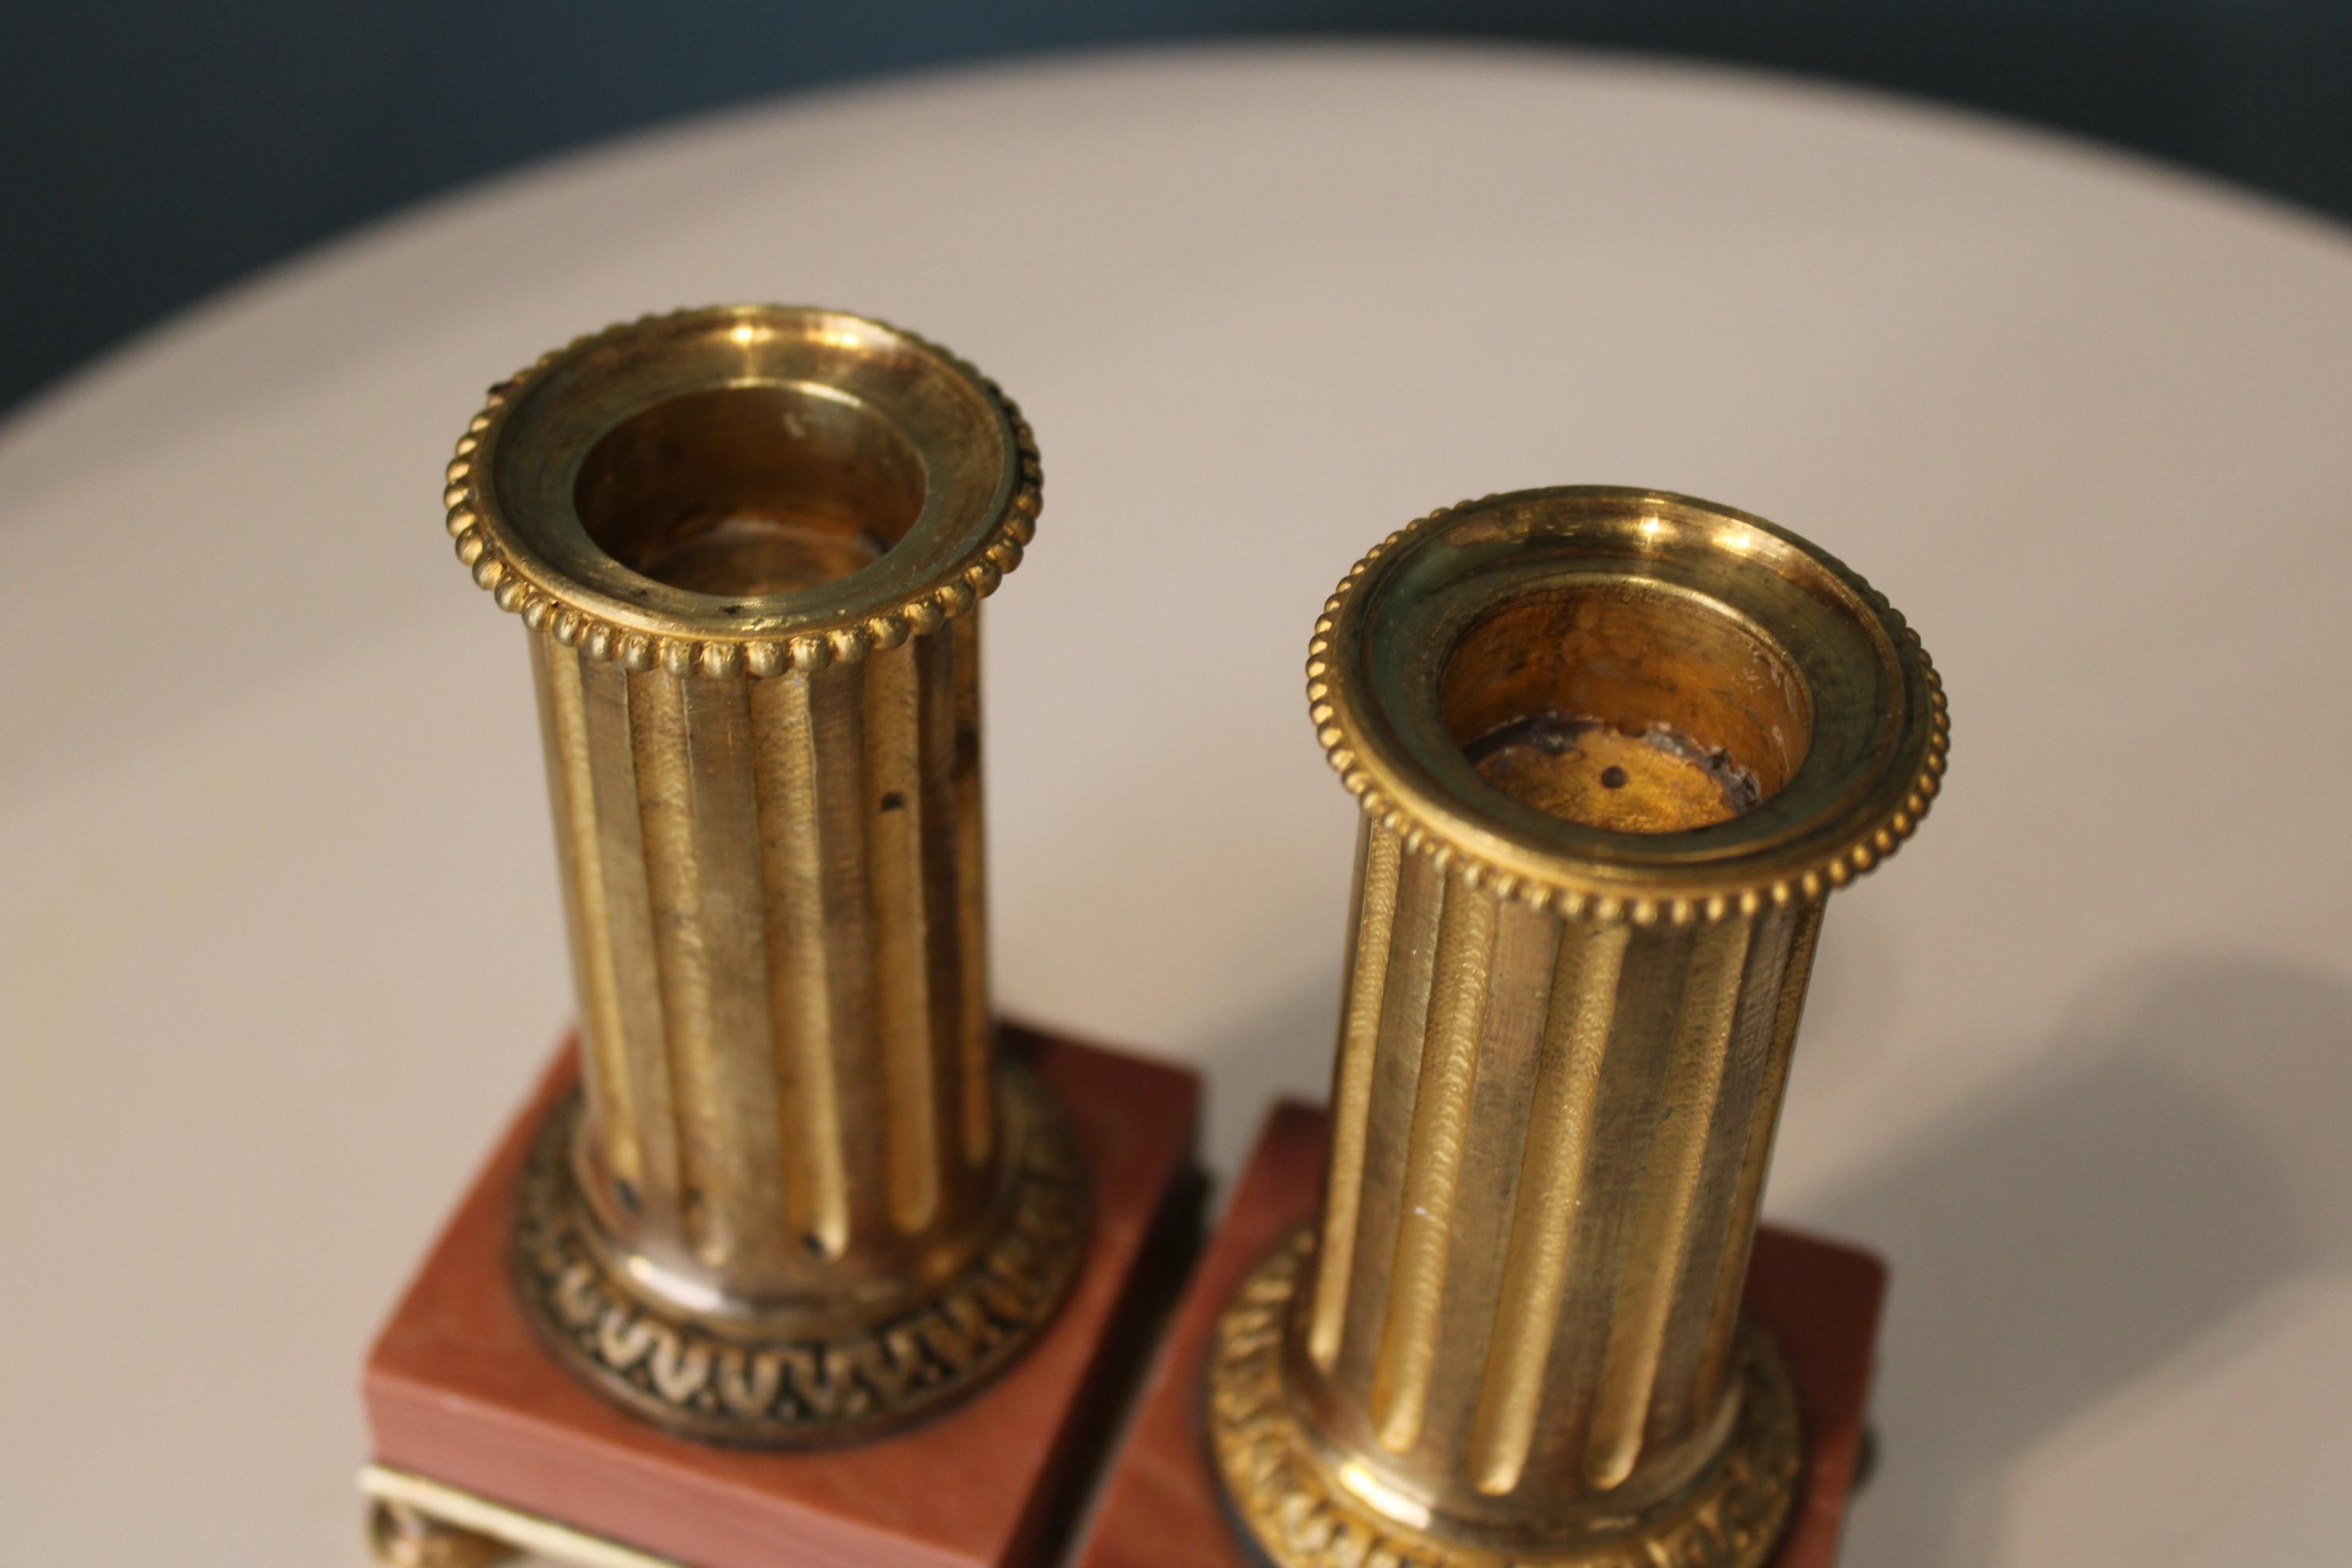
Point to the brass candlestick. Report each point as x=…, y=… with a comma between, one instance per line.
x=804, y=1199
x=1613, y=748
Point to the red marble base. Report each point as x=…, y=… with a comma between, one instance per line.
x=459, y=1388
x=1161, y=1507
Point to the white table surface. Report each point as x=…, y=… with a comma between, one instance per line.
x=280, y=945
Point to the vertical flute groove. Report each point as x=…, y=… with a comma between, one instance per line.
x=973, y=1028
x=1764, y=1122
x=1441, y=1115
x=744, y=1180
x=892, y=814
x=1352, y=1094
x=1548, y=1205
x=657, y=743
x=857, y=1109
x=799, y=978
x=620, y=857
x=1660, y=1232
x=1673, y=1407
x=579, y=861
x=1404, y=1014
x=949, y=1049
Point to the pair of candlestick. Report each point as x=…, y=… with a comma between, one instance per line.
x=1613, y=748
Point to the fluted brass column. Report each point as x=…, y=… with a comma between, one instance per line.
x=1613, y=748
x=804, y=1200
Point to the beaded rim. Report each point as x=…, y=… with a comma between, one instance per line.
x=1396, y=804
x=548, y=602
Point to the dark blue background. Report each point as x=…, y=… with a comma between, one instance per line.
x=155, y=151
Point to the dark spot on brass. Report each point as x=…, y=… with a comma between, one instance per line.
x=1554, y=734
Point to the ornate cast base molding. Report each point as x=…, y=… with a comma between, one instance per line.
x=464, y=1395
x=1731, y=1516
x=695, y=1378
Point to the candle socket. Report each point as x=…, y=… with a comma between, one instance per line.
x=801, y=1200
x=1613, y=748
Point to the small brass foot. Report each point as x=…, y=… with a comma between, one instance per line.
x=415, y=1521
x=404, y=1536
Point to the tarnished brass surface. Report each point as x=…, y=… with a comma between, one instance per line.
x=1294, y=1487
x=710, y=1382
x=1613, y=748
x=748, y=545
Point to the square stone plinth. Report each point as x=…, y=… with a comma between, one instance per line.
x=1161, y=1506
x=461, y=1394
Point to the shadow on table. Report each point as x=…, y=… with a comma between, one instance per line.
x=2180, y=1157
